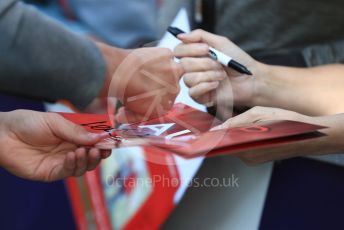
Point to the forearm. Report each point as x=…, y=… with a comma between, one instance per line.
x=40, y=59
x=113, y=59
x=331, y=143
x=312, y=91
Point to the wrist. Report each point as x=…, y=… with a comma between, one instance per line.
x=334, y=132
x=267, y=86
x=261, y=75
x=113, y=57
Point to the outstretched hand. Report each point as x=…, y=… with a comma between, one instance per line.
x=211, y=83
x=46, y=147
x=145, y=80
x=331, y=143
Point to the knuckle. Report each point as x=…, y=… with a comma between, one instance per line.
x=198, y=31
x=203, y=86
x=191, y=93
x=197, y=65
x=212, y=76
x=187, y=80
x=185, y=62
x=210, y=64
x=178, y=69
x=166, y=52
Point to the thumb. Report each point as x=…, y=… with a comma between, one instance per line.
x=201, y=36
x=71, y=132
x=240, y=120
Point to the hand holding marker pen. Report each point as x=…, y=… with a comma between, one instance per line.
x=217, y=55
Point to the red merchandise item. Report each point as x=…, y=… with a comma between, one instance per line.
x=229, y=141
x=126, y=205
x=187, y=129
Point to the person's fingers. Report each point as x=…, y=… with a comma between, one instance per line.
x=202, y=89
x=242, y=119
x=200, y=64
x=68, y=168
x=71, y=132
x=178, y=71
x=255, y=115
x=207, y=99
x=193, y=79
x=105, y=153
x=191, y=50
x=61, y=171
x=94, y=158
x=70, y=162
x=81, y=162
x=201, y=36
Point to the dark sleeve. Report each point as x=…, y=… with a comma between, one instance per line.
x=323, y=54
x=40, y=59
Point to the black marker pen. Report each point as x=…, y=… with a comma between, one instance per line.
x=217, y=55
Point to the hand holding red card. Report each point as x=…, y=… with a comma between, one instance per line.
x=185, y=131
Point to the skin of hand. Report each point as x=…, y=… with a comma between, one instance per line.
x=211, y=83
x=313, y=91
x=46, y=147
x=329, y=144
x=145, y=80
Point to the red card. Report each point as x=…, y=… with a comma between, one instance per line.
x=185, y=131
x=246, y=137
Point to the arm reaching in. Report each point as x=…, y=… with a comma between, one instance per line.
x=45, y=146
x=329, y=144
x=311, y=91
x=41, y=59
x=145, y=80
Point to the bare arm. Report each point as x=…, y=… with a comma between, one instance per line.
x=329, y=144
x=312, y=91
